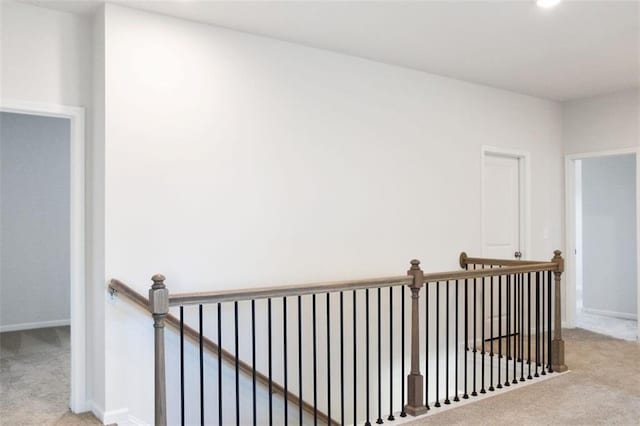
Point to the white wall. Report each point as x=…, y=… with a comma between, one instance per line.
x=609, y=235
x=34, y=221
x=234, y=160
x=601, y=123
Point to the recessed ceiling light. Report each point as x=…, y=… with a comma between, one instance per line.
x=547, y=4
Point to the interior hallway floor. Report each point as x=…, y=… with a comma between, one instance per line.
x=603, y=387
x=34, y=379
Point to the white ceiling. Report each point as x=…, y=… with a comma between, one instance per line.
x=577, y=49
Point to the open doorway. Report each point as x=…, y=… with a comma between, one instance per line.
x=42, y=303
x=603, y=229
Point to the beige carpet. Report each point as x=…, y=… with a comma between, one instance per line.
x=34, y=379
x=603, y=388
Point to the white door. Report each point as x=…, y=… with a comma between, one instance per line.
x=501, y=217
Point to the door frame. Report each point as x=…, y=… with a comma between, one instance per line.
x=524, y=162
x=76, y=116
x=570, y=225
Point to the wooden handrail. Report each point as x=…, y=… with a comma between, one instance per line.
x=284, y=291
x=477, y=273
x=118, y=287
x=466, y=260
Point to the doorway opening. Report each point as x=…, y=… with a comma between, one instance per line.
x=42, y=274
x=604, y=225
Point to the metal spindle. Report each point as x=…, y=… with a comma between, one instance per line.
x=522, y=327
x=237, y=361
x=466, y=334
x=182, y=365
x=315, y=360
x=475, y=330
x=402, y=333
x=341, y=358
x=285, y=363
x=446, y=363
x=508, y=333
x=379, y=420
x=300, y=415
x=529, y=323
x=366, y=315
x=456, y=398
x=355, y=362
x=328, y=357
x=270, y=361
x=426, y=340
x=537, y=361
x=549, y=321
x=542, y=325
x=491, y=388
x=201, y=347
x=437, y=404
x=390, y=418
x=514, y=311
x=499, y=386
x=484, y=349
x=253, y=362
x=219, y=364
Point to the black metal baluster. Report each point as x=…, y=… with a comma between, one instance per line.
x=475, y=330
x=285, y=366
x=466, y=334
x=182, y=365
x=514, y=311
x=455, y=398
x=219, y=364
x=390, y=418
x=491, y=388
x=315, y=360
x=379, y=420
x=355, y=363
x=366, y=315
x=253, y=361
x=484, y=349
x=328, y=358
x=300, y=360
x=270, y=361
x=437, y=404
x=549, y=320
x=237, y=361
x=446, y=362
x=508, y=333
x=542, y=325
x=402, y=321
x=521, y=285
x=426, y=358
x=529, y=324
x=200, y=342
x=537, y=360
x=499, y=386
x=341, y=358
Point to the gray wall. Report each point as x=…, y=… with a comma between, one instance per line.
x=34, y=219
x=609, y=234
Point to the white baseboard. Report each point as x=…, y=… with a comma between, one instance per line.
x=613, y=314
x=121, y=416
x=34, y=325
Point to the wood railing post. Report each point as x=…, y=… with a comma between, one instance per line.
x=159, y=307
x=415, y=382
x=557, y=345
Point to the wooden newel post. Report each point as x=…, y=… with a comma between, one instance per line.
x=159, y=307
x=557, y=344
x=415, y=382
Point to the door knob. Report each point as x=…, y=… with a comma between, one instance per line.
x=518, y=255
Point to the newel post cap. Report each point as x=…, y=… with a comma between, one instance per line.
x=416, y=272
x=557, y=258
x=463, y=260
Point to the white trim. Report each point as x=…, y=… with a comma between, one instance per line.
x=524, y=158
x=569, y=220
x=76, y=115
x=34, y=325
x=613, y=314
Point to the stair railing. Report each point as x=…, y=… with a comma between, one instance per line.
x=351, y=375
